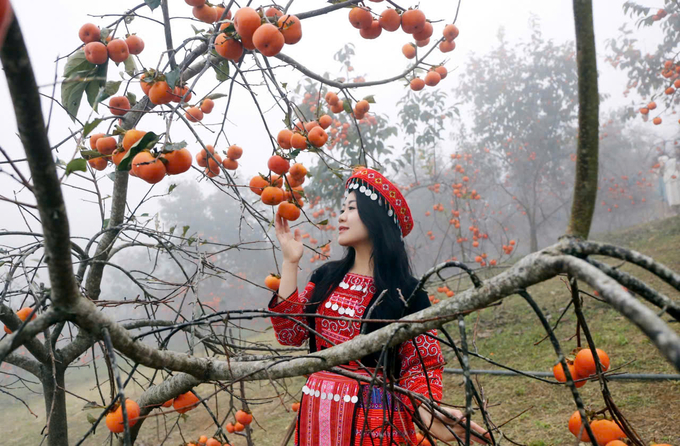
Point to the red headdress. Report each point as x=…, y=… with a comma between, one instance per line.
x=374, y=185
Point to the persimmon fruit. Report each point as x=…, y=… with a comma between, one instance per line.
x=119, y=105
x=114, y=419
x=118, y=50
x=96, y=53
x=135, y=44
x=89, y=32
x=288, y=211
x=272, y=195
x=268, y=40
x=185, y=402
x=148, y=168
x=278, y=164
x=178, y=161
x=291, y=28
x=22, y=314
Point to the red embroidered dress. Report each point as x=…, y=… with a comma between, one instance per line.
x=336, y=410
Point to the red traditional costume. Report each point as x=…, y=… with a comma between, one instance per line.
x=339, y=411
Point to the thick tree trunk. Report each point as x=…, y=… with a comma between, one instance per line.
x=55, y=405
x=533, y=232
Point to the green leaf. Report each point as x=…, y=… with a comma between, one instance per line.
x=145, y=214
x=222, y=70
x=87, y=128
x=184, y=230
x=130, y=66
x=92, y=90
x=323, y=223
x=77, y=63
x=172, y=229
x=104, y=33
x=147, y=141
x=284, y=85
x=217, y=95
x=89, y=154
x=105, y=223
x=191, y=240
x=110, y=88
x=111, y=175
x=172, y=77
x=91, y=419
x=171, y=188
x=347, y=105
x=71, y=93
x=170, y=147
x=286, y=120
x=132, y=98
x=76, y=164
x=153, y=4
x=370, y=99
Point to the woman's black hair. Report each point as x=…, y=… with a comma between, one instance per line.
x=391, y=271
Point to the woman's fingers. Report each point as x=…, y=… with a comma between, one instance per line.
x=297, y=235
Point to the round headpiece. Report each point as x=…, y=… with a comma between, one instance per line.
x=374, y=185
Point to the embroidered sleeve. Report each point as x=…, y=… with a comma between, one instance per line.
x=288, y=329
x=419, y=370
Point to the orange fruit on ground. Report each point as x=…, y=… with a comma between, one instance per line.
x=272, y=282
x=95, y=52
x=131, y=137
x=432, y=78
x=409, y=50
x=278, y=164
x=284, y=138
x=194, y=114
x=178, y=161
x=424, y=33
x=238, y=427
x=417, y=84
x=114, y=419
x=119, y=105
x=230, y=164
x=148, y=168
x=372, y=32
x=317, y=137
x=585, y=363
x=290, y=212
x=229, y=427
x=272, y=195
x=185, y=402
x=228, y=47
x=160, y=93
x=298, y=171
x=213, y=165
x=360, y=17
x=450, y=32
x=135, y=44
x=325, y=121
x=93, y=140
x=443, y=72
x=97, y=163
x=234, y=152
x=168, y=403
x=413, y=21
x=106, y=145
x=205, y=13
x=89, y=32
x=246, y=21
x=390, y=20
x=447, y=46
x=22, y=314
x=295, y=406
x=207, y=105
x=257, y=184
x=118, y=50
x=291, y=28
x=268, y=40
x=656, y=121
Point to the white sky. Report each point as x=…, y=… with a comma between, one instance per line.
x=51, y=29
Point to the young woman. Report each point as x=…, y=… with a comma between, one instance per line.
x=336, y=410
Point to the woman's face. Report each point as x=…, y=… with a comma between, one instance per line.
x=352, y=231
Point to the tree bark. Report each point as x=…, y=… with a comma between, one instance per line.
x=585, y=184
x=53, y=389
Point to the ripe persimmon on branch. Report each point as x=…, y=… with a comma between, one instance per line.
x=176, y=306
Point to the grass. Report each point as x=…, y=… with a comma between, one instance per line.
x=507, y=333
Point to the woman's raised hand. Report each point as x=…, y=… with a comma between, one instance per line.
x=291, y=246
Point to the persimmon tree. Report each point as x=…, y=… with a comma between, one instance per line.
x=67, y=316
